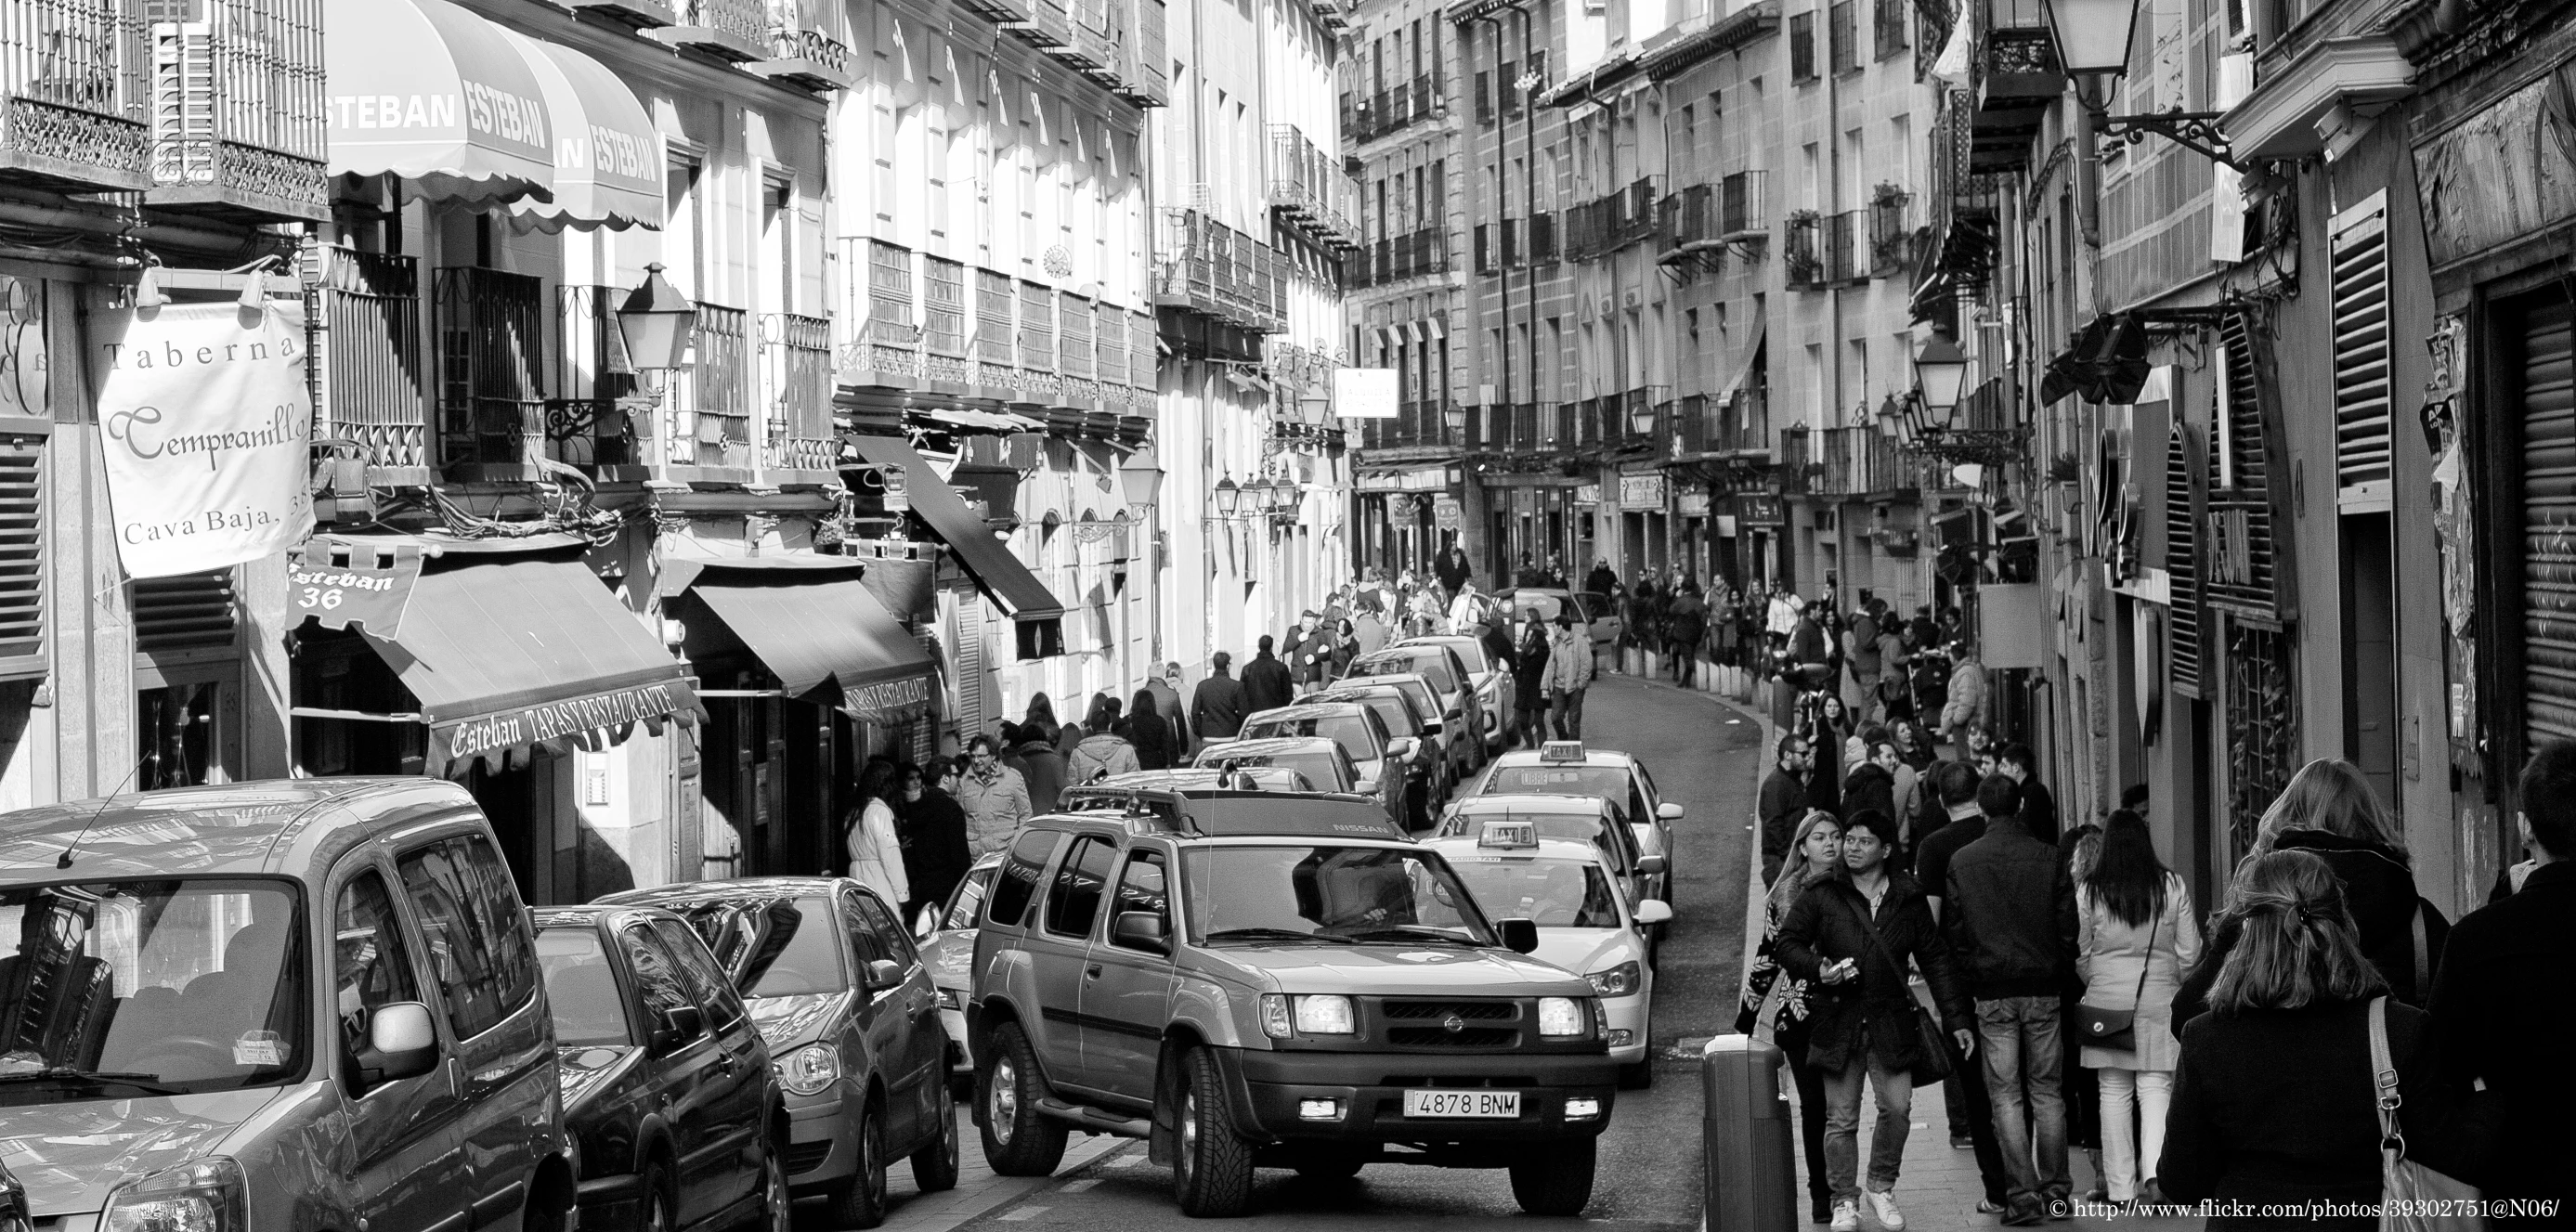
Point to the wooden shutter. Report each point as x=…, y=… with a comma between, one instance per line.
x=2184, y=635
x=189, y=611
x=2238, y=562
x=22, y=546
x=2549, y=522
x=2361, y=353
x=993, y=341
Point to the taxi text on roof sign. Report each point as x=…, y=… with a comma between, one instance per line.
x=1561, y=751
x=1508, y=834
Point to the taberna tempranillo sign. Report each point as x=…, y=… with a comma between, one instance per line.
x=208, y=431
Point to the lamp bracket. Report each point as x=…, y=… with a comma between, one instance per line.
x=2196, y=131
x=1989, y=446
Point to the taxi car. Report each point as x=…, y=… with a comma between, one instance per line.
x=1584, y=818
x=1585, y=925
x=1571, y=768
x=1396, y=761
x=1258, y=980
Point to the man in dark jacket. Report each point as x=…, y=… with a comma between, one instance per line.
x=1872, y=783
x=1783, y=803
x=1216, y=708
x=1949, y=822
x=1453, y=570
x=1601, y=581
x=2502, y=1000
x=1266, y=683
x=935, y=855
x=2017, y=762
x=1849, y=937
x=1529, y=681
x=2011, y=919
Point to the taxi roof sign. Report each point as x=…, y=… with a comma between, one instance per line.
x=1561, y=751
x=1507, y=833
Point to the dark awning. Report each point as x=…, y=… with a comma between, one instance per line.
x=505, y=651
x=813, y=623
x=1010, y=585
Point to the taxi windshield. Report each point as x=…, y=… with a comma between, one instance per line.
x=1555, y=893
x=120, y=988
x=581, y=988
x=1599, y=782
x=1347, y=730
x=1319, y=892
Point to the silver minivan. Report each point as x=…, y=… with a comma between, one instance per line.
x=285, y=1005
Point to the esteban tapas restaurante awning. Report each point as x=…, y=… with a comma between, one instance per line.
x=608, y=159
x=503, y=645
x=1010, y=584
x=428, y=92
x=812, y=624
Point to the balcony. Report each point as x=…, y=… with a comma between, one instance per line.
x=1858, y=463
x=708, y=403
x=1963, y=208
x=237, y=114
x=1726, y=427
x=1153, y=70
x=2014, y=77
x=1308, y=188
x=1802, y=250
x=1887, y=22
x=490, y=327
x=991, y=362
x=735, y=30
x=1041, y=381
x=1417, y=425
x=74, y=91
x=1741, y=217
x=1206, y=267
x=1843, y=238
x=880, y=344
x=374, y=381
x=796, y=393
x=598, y=403
x=806, y=46
x=1891, y=241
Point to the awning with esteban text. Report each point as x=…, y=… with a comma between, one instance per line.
x=432, y=94
x=811, y=624
x=506, y=647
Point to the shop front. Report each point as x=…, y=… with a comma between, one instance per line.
x=1400, y=521
x=1750, y=537
x=1535, y=520
x=1645, y=525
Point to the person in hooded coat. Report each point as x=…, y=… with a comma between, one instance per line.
x=1104, y=753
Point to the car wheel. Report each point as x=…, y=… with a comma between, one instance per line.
x=660, y=1213
x=777, y=1204
x=1556, y=1181
x=934, y=1166
x=1211, y=1164
x=1018, y=1141
x=861, y=1201
x=1637, y=1076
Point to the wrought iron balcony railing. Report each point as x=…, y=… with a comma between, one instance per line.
x=807, y=46
x=1802, y=250
x=238, y=124
x=375, y=384
x=707, y=404
x=735, y=30
x=1740, y=212
x=75, y=89
x=490, y=330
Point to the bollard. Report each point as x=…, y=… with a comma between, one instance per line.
x=1750, y=1175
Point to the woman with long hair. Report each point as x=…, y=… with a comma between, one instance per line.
x=1149, y=732
x=2275, y=1090
x=876, y=849
x=2135, y=936
x=1827, y=723
x=1039, y=723
x=1815, y=850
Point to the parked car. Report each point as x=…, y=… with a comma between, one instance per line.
x=846, y=1004
x=1253, y=982
x=15, y=1216
x=1397, y=762
x=1460, y=745
x=947, y=934
x=1570, y=890
x=1323, y=761
x=1598, y=614
x=1468, y=700
x=1572, y=768
x=317, y=996
x=1491, y=680
x=1403, y=716
x=667, y=1086
x=1586, y=818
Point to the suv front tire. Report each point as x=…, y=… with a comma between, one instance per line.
x=1018, y=1139
x=1557, y=1181
x=1211, y=1164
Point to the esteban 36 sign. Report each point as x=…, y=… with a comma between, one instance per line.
x=208, y=433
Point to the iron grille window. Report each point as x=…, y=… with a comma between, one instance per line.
x=1887, y=17
x=1843, y=34
x=890, y=292
x=1037, y=328
x=491, y=407
x=371, y=308
x=188, y=611
x=992, y=317
x=1802, y=47
x=1485, y=97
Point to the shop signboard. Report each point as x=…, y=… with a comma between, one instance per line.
x=1760, y=509
x=346, y=586
x=1445, y=513
x=898, y=492
x=555, y=720
x=888, y=701
x=1364, y=393
x=1641, y=491
x=209, y=433
x=1694, y=504
x=1587, y=494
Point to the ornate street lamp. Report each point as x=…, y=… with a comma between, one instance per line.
x=1641, y=418
x=2093, y=36
x=1455, y=416
x=1229, y=498
x=1941, y=373
x=656, y=321
x=1142, y=478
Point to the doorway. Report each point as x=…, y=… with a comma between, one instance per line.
x=2370, y=653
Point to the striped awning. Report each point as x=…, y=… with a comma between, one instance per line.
x=607, y=156
x=423, y=90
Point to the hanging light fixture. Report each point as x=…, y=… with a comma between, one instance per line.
x=1455, y=416
x=1940, y=372
x=2093, y=35
x=1229, y=498
x=1641, y=417
x=1141, y=476
x=655, y=321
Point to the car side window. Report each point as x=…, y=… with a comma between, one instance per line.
x=897, y=943
x=1144, y=884
x=479, y=938
x=1075, y=900
x=698, y=970
x=1017, y=884
x=866, y=939
x=372, y=961
x=657, y=977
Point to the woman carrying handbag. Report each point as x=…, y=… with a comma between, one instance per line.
x=2135, y=936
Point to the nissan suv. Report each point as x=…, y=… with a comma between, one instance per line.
x=1252, y=980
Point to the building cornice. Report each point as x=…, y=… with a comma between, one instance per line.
x=1725, y=34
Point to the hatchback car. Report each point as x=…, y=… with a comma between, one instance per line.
x=1571, y=768
x=667, y=1085
x=1467, y=702
x=306, y=1001
x=1460, y=745
x=1397, y=762
x=1571, y=817
x=1569, y=889
x=838, y=990
x=1397, y=707
x=1491, y=679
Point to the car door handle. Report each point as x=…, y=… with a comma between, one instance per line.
x=1091, y=972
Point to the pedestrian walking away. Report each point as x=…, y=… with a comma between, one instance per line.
x=1218, y=706
x=1266, y=683
x=2135, y=936
x=1851, y=935
x=1529, y=682
x=1569, y=675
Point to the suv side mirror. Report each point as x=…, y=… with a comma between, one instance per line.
x=882, y=974
x=680, y=1024
x=401, y=1043
x=1141, y=930
x=1650, y=865
x=1520, y=934
x=1365, y=787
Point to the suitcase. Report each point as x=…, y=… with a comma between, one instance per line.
x=1750, y=1172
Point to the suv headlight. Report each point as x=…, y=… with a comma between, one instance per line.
x=1563, y=1018
x=207, y=1195
x=809, y=1069
x=1282, y=1016
x=1618, y=981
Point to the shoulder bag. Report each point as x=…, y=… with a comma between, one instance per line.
x=2110, y=1028
x=1931, y=1043
x=2407, y=1189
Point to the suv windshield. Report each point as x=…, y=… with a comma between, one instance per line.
x=1553, y=893
x=581, y=988
x=780, y=947
x=1327, y=893
x=1347, y=730
x=109, y=989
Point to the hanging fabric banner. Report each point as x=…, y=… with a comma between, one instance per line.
x=208, y=429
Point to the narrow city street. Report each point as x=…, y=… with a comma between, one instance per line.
x=1703, y=754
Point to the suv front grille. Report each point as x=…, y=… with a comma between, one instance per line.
x=1446, y=1024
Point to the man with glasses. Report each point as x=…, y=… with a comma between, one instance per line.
x=1783, y=802
x=995, y=797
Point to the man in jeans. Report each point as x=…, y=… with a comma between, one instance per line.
x=2009, y=912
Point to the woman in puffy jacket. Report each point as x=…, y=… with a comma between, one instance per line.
x=1103, y=753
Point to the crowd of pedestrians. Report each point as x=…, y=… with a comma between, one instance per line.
x=1930, y=919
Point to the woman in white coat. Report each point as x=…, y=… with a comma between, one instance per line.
x=2135, y=937
x=876, y=848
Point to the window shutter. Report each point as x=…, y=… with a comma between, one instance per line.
x=189, y=611
x=2183, y=476
x=2548, y=617
x=22, y=547
x=2238, y=563
x=2361, y=351
x=993, y=340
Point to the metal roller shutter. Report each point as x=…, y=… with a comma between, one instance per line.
x=2549, y=522
x=2182, y=560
